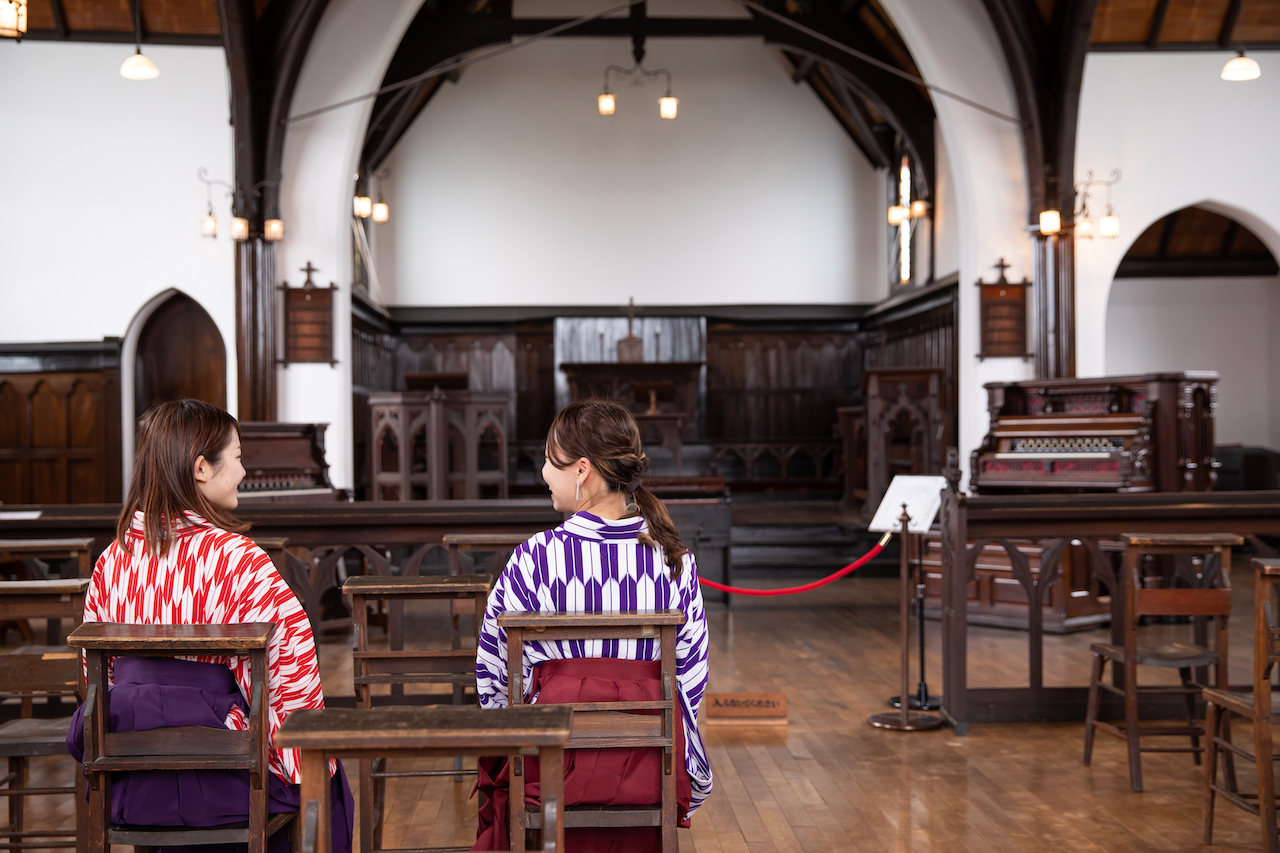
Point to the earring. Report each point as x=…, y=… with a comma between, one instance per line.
x=577, y=493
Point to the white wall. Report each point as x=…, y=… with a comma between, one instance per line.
x=101, y=206
x=1205, y=324
x=1181, y=136
x=511, y=189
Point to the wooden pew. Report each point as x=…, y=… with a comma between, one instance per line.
x=406, y=732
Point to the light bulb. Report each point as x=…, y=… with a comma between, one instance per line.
x=1084, y=229
x=1050, y=222
x=1109, y=226
x=209, y=226
x=273, y=230
x=363, y=206
x=1241, y=68
x=607, y=104
x=381, y=213
x=898, y=214
x=13, y=18
x=138, y=67
x=667, y=106
x=918, y=209
x=239, y=228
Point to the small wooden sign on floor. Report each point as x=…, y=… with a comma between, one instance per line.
x=746, y=709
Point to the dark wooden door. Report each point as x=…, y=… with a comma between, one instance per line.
x=180, y=354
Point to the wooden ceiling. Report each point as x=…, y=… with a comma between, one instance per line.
x=1185, y=24
x=1197, y=242
x=1118, y=24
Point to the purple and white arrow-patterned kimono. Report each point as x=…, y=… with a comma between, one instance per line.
x=589, y=563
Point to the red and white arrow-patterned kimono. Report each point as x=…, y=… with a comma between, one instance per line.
x=211, y=576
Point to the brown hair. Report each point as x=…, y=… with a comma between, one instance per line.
x=606, y=434
x=171, y=436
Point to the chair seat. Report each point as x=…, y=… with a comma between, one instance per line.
x=34, y=737
x=1240, y=703
x=1172, y=655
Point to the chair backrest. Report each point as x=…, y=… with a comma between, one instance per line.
x=1212, y=601
x=182, y=747
x=499, y=544
x=596, y=724
x=43, y=599
x=1266, y=623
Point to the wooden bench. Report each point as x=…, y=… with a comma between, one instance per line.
x=605, y=725
x=405, y=732
x=179, y=747
x=398, y=666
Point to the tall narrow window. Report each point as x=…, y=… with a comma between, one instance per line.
x=904, y=228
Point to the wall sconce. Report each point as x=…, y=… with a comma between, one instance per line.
x=919, y=209
x=239, y=229
x=668, y=104
x=209, y=224
x=363, y=206
x=899, y=214
x=1050, y=222
x=273, y=230
x=13, y=18
x=1109, y=225
x=381, y=213
x=1237, y=69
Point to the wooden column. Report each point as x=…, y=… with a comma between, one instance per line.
x=256, y=329
x=1054, y=305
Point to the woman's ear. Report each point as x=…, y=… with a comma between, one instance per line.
x=203, y=470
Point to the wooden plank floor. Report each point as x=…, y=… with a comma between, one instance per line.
x=828, y=781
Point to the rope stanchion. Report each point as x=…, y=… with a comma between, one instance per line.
x=792, y=590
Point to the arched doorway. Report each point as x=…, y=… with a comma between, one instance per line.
x=179, y=354
x=1199, y=291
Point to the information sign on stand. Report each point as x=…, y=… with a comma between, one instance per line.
x=910, y=504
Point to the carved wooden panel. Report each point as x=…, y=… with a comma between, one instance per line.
x=308, y=324
x=763, y=385
x=60, y=437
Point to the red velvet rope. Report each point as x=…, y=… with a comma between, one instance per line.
x=792, y=590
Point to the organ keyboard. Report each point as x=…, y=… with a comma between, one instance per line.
x=1128, y=433
x=285, y=463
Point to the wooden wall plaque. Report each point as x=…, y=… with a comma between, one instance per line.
x=1003, y=317
x=308, y=321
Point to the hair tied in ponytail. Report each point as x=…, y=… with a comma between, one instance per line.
x=635, y=483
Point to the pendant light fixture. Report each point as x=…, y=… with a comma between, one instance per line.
x=13, y=19
x=607, y=102
x=209, y=223
x=1241, y=68
x=1050, y=222
x=239, y=229
x=273, y=230
x=138, y=67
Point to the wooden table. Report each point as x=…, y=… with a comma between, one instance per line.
x=79, y=548
x=406, y=732
x=53, y=600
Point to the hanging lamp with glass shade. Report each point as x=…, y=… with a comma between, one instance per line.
x=668, y=105
x=239, y=229
x=209, y=225
x=13, y=19
x=1241, y=68
x=138, y=67
x=607, y=103
x=1109, y=226
x=381, y=213
x=273, y=230
x=363, y=206
x=1084, y=229
x=1050, y=222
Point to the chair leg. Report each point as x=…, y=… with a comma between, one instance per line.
x=378, y=815
x=18, y=767
x=1190, y=698
x=1131, y=733
x=670, y=844
x=1091, y=710
x=367, y=816
x=1263, y=746
x=515, y=803
x=1211, y=727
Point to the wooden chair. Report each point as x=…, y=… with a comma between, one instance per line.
x=1209, y=600
x=603, y=725
x=1262, y=707
x=52, y=600
x=398, y=666
x=497, y=545
x=424, y=732
x=179, y=747
x=40, y=672
x=28, y=550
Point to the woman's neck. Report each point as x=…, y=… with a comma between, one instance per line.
x=610, y=506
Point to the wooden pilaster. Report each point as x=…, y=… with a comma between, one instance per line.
x=256, y=325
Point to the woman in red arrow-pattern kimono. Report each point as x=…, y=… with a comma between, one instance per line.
x=179, y=558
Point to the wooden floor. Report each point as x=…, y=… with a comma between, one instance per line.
x=831, y=782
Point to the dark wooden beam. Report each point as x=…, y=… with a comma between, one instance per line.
x=414, y=102
x=1196, y=267
x=1180, y=46
x=237, y=19
x=1229, y=23
x=654, y=27
x=1157, y=23
x=59, y=18
x=847, y=109
x=803, y=69
x=124, y=37
x=1166, y=234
